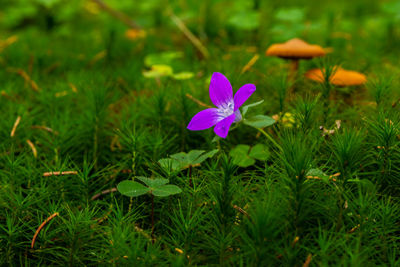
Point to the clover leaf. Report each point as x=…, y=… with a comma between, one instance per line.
x=132, y=189
x=182, y=160
x=158, y=187
x=245, y=156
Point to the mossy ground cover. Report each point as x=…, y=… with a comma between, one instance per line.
x=87, y=105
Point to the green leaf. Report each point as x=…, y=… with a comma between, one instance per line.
x=181, y=157
x=245, y=20
x=215, y=139
x=240, y=150
x=170, y=164
x=158, y=71
x=193, y=155
x=245, y=108
x=318, y=173
x=244, y=161
x=240, y=156
x=244, y=156
x=293, y=15
x=166, y=190
x=259, y=121
x=131, y=188
x=205, y=156
x=165, y=58
x=315, y=172
x=259, y=152
x=153, y=182
x=185, y=75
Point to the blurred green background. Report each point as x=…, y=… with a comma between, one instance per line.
x=367, y=29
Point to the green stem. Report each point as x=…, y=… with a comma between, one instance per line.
x=190, y=176
x=152, y=218
x=326, y=94
x=269, y=138
x=219, y=145
x=95, y=142
x=133, y=174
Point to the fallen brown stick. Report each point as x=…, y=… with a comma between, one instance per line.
x=47, y=174
x=32, y=146
x=9, y=41
x=241, y=210
x=41, y=226
x=17, y=121
x=252, y=61
x=195, y=41
x=352, y=230
x=103, y=193
x=26, y=77
x=41, y=127
x=308, y=260
x=117, y=14
x=197, y=101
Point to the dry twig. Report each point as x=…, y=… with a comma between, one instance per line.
x=47, y=174
x=103, y=193
x=42, y=127
x=26, y=77
x=195, y=41
x=32, y=146
x=17, y=121
x=41, y=226
x=252, y=61
x=117, y=14
x=308, y=260
x=197, y=101
x=241, y=210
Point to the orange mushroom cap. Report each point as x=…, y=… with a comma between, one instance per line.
x=295, y=49
x=340, y=77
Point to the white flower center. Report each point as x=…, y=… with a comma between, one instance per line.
x=226, y=110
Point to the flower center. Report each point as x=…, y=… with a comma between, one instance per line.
x=226, y=110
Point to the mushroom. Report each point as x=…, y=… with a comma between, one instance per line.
x=340, y=77
x=294, y=50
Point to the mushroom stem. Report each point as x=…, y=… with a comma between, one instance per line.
x=293, y=69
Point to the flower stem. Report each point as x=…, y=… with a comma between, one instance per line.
x=190, y=176
x=269, y=138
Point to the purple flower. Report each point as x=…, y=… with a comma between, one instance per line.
x=227, y=111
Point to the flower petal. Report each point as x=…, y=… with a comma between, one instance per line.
x=238, y=116
x=243, y=94
x=222, y=127
x=220, y=90
x=204, y=119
